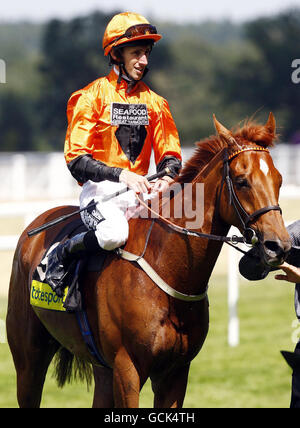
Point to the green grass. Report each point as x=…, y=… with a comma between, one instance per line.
x=252, y=374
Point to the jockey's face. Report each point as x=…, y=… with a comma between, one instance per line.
x=136, y=60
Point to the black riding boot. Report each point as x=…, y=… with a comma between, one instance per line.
x=61, y=257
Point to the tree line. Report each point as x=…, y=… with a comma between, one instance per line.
x=236, y=71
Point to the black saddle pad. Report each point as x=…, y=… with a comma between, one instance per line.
x=70, y=299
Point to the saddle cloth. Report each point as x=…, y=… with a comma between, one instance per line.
x=69, y=298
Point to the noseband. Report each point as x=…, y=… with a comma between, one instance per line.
x=248, y=233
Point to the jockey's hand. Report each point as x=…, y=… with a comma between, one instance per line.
x=135, y=182
x=292, y=273
x=162, y=184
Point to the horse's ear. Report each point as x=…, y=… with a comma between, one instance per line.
x=271, y=124
x=224, y=133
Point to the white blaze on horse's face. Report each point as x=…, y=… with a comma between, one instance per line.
x=263, y=166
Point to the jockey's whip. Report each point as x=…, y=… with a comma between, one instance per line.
x=65, y=217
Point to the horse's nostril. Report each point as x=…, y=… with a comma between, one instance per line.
x=275, y=251
x=274, y=247
x=278, y=249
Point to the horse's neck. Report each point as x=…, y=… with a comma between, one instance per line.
x=192, y=259
x=201, y=200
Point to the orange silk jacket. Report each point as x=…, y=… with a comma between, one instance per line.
x=101, y=120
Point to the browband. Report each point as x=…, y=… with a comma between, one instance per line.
x=245, y=149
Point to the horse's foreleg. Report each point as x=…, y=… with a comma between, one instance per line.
x=126, y=381
x=169, y=391
x=103, y=392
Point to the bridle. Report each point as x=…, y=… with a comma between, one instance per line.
x=249, y=235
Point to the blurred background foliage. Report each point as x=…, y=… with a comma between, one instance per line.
x=233, y=70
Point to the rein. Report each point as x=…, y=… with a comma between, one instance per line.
x=233, y=200
x=233, y=239
x=243, y=216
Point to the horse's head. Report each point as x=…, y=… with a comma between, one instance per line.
x=250, y=189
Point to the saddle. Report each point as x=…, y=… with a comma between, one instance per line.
x=68, y=297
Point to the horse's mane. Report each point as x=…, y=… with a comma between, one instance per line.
x=249, y=134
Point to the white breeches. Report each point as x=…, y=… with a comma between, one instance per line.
x=109, y=219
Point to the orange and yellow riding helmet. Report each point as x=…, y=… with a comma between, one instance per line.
x=127, y=27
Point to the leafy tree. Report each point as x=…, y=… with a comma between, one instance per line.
x=277, y=40
x=262, y=78
x=16, y=130
x=72, y=58
x=211, y=67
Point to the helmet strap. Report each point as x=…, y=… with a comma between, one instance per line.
x=120, y=73
x=123, y=74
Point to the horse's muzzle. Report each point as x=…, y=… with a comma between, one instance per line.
x=275, y=251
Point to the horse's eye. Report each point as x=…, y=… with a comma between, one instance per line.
x=241, y=183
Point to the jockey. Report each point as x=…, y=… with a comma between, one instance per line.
x=113, y=124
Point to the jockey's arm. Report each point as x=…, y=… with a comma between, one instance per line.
x=172, y=163
x=84, y=168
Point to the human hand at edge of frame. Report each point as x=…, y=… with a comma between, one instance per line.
x=292, y=273
x=135, y=182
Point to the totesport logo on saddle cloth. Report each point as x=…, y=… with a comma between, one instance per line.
x=41, y=294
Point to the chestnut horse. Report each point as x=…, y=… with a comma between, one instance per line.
x=139, y=329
